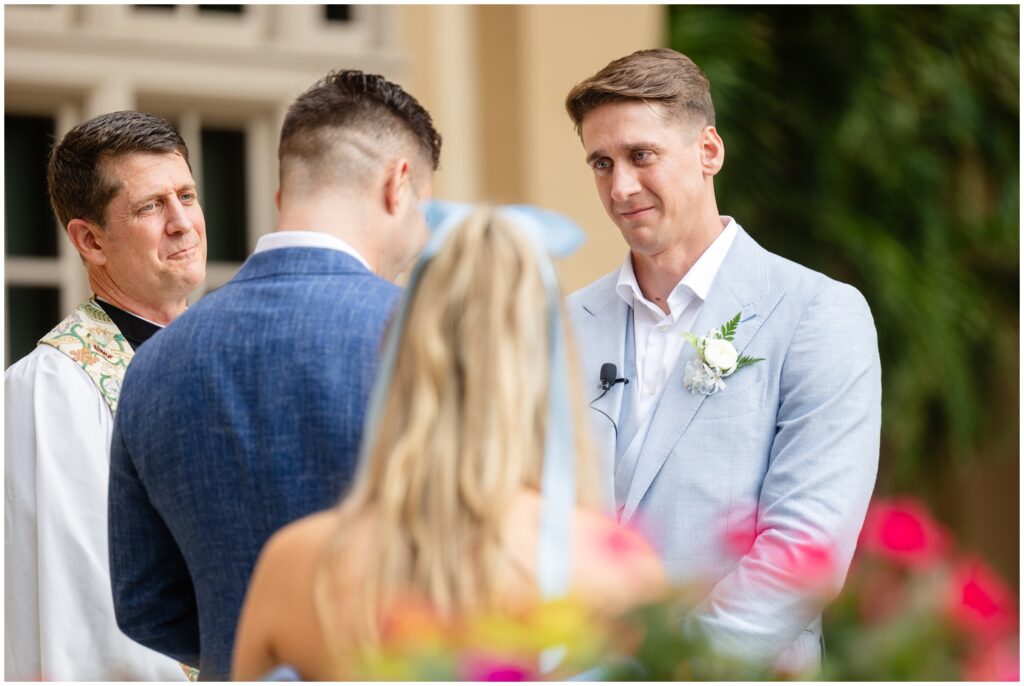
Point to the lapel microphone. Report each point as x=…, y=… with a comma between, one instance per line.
x=608, y=373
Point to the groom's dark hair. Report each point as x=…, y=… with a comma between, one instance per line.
x=347, y=120
x=660, y=75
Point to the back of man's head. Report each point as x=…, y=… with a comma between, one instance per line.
x=80, y=187
x=660, y=75
x=346, y=126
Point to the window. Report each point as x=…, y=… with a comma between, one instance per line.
x=225, y=9
x=224, y=194
x=33, y=311
x=31, y=230
x=338, y=12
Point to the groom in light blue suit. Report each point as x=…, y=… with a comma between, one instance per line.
x=751, y=478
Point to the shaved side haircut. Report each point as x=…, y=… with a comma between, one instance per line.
x=346, y=124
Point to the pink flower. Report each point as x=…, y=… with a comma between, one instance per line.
x=902, y=531
x=621, y=541
x=808, y=565
x=617, y=542
x=813, y=565
x=489, y=668
x=739, y=539
x=998, y=661
x=980, y=602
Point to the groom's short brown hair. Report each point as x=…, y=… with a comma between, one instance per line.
x=347, y=119
x=660, y=75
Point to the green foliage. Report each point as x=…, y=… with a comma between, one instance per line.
x=747, y=360
x=879, y=145
x=729, y=328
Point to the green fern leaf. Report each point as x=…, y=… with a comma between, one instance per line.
x=729, y=328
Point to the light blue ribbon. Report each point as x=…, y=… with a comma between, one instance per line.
x=548, y=232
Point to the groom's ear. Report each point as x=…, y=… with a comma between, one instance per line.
x=712, y=151
x=395, y=183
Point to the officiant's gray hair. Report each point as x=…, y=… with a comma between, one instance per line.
x=660, y=75
x=347, y=122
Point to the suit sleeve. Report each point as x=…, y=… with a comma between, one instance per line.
x=821, y=472
x=154, y=598
x=58, y=610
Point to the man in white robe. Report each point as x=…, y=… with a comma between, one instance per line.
x=122, y=187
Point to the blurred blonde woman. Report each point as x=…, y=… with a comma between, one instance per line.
x=446, y=510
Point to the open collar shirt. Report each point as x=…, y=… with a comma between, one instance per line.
x=658, y=336
x=307, y=239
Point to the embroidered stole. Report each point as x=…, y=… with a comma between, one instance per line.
x=90, y=338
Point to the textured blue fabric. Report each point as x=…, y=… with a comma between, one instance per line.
x=243, y=415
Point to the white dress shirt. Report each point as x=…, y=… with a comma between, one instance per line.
x=58, y=607
x=659, y=336
x=306, y=239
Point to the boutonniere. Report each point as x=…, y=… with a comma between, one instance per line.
x=716, y=359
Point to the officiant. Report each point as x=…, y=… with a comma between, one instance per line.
x=121, y=185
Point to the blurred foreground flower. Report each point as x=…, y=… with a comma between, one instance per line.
x=903, y=531
x=911, y=610
x=980, y=602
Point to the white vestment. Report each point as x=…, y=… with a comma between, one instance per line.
x=58, y=607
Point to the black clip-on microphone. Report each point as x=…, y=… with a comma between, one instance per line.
x=608, y=379
x=608, y=374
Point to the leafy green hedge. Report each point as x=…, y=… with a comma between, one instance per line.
x=879, y=144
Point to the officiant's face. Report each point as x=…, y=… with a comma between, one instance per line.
x=154, y=233
x=650, y=171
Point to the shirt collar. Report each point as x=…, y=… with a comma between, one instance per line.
x=307, y=239
x=135, y=329
x=697, y=281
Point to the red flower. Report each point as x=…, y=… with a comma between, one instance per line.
x=980, y=602
x=902, y=531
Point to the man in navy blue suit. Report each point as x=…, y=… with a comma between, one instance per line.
x=247, y=412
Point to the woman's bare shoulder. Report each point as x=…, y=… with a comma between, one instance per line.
x=298, y=541
x=618, y=561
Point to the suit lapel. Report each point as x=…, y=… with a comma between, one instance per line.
x=601, y=330
x=741, y=285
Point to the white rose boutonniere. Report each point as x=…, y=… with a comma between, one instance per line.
x=716, y=359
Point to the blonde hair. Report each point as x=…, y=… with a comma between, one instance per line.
x=461, y=433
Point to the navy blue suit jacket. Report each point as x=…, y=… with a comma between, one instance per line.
x=243, y=415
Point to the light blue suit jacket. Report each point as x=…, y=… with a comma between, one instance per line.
x=787, y=453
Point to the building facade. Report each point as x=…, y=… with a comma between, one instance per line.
x=494, y=78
